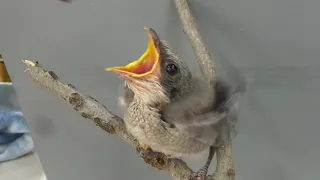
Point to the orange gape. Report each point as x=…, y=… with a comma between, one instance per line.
x=4, y=76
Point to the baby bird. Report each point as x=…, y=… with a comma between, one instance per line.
x=170, y=110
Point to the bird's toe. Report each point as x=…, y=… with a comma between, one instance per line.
x=143, y=149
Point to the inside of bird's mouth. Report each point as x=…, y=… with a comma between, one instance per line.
x=145, y=65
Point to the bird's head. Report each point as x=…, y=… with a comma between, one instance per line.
x=158, y=76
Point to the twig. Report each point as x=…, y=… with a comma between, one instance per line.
x=225, y=163
x=90, y=108
x=199, y=48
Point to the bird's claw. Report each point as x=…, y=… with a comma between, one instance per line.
x=143, y=149
x=199, y=175
x=146, y=148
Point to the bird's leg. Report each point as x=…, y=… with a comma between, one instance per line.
x=202, y=172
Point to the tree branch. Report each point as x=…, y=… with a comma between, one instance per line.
x=225, y=163
x=199, y=48
x=90, y=108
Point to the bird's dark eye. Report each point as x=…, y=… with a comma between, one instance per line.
x=172, y=69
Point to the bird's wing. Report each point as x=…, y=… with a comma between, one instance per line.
x=228, y=130
x=206, y=127
x=190, y=105
x=204, y=122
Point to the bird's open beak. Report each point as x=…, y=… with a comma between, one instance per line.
x=147, y=64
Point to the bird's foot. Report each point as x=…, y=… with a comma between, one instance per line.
x=146, y=148
x=199, y=175
x=143, y=149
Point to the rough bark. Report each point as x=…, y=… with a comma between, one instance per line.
x=90, y=108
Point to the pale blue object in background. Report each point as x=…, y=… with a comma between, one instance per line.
x=15, y=140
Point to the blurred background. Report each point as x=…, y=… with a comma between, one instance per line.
x=273, y=44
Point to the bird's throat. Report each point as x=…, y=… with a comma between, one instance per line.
x=152, y=96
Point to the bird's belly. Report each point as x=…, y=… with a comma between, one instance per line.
x=171, y=143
